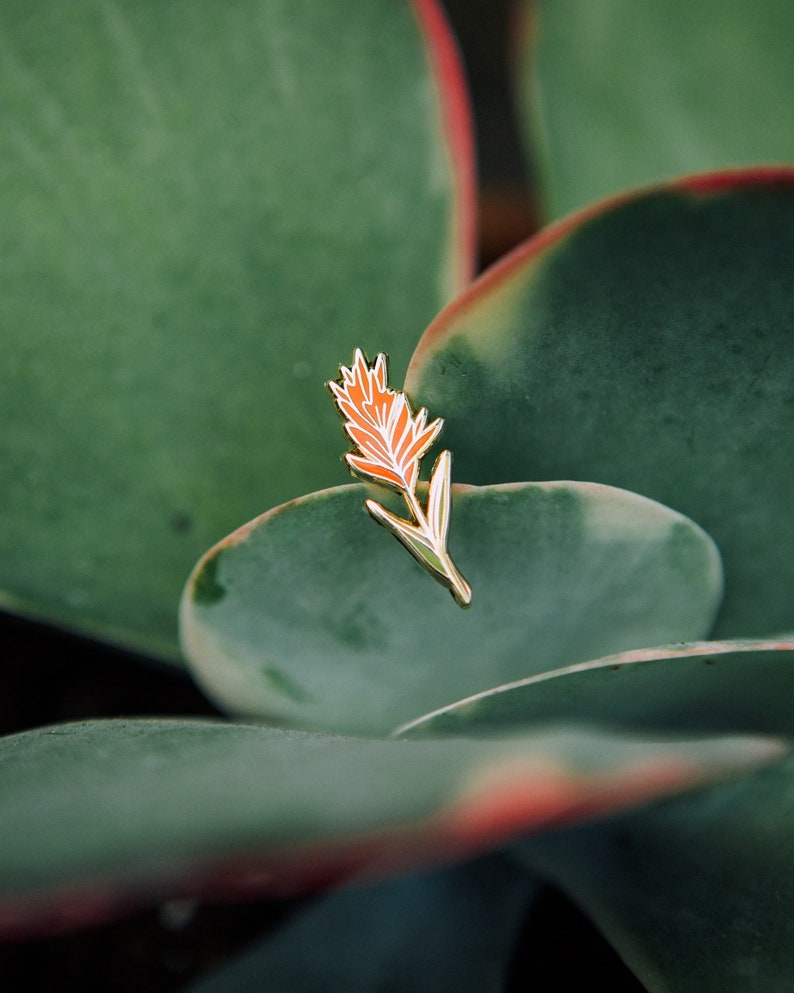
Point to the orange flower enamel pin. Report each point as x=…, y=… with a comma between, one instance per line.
x=390, y=440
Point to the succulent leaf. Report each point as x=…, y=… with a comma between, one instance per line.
x=102, y=815
x=186, y=237
x=647, y=343
x=449, y=931
x=695, y=893
x=618, y=94
x=307, y=617
x=711, y=686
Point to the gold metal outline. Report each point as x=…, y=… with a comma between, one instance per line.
x=389, y=440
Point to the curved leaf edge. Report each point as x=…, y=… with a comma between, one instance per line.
x=202, y=573
x=458, y=126
x=548, y=238
x=243, y=532
x=636, y=656
x=513, y=796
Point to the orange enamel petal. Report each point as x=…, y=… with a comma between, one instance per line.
x=374, y=470
x=389, y=438
x=369, y=443
x=423, y=441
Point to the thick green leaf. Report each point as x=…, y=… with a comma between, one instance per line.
x=696, y=894
x=619, y=93
x=312, y=616
x=707, y=686
x=449, y=931
x=205, y=207
x=649, y=344
x=100, y=815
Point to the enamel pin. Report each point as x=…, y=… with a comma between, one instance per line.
x=390, y=440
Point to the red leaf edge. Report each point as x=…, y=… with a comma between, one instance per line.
x=697, y=184
x=498, y=805
x=458, y=124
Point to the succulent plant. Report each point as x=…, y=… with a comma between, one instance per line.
x=618, y=395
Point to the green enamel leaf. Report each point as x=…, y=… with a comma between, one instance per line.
x=696, y=894
x=706, y=686
x=648, y=344
x=450, y=931
x=101, y=815
x=205, y=208
x=312, y=616
x=621, y=93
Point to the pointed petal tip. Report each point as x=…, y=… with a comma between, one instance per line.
x=462, y=598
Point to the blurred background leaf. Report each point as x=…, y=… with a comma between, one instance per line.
x=100, y=817
x=205, y=209
x=695, y=893
x=460, y=925
x=616, y=94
